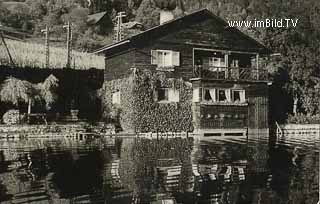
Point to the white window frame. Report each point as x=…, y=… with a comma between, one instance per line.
x=227, y=93
x=218, y=63
x=173, y=95
x=174, y=58
x=116, y=97
x=212, y=92
x=242, y=95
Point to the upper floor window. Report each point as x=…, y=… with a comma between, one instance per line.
x=168, y=95
x=218, y=61
x=165, y=58
x=116, y=97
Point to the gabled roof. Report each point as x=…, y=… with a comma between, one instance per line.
x=178, y=24
x=96, y=17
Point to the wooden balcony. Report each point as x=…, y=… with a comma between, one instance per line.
x=231, y=74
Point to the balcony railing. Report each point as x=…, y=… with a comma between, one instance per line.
x=230, y=73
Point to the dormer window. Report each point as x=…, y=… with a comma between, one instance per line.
x=165, y=58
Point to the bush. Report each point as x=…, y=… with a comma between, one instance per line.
x=303, y=119
x=12, y=117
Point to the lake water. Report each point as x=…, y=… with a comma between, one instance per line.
x=220, y=171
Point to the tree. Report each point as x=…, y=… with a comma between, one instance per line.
x=4, y=12
x=148, y=14
x=78, y=18
x=38, y=8
x=17, y=91
x=47, y=91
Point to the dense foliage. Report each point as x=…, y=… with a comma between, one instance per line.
x=17, y=92
x=140, y=112
x=304, y=119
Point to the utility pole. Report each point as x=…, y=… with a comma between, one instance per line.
x=69, y=43
x=46, y=32
x=119, y=17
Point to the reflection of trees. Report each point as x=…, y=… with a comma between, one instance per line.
x=60, y=168
x=303, y=182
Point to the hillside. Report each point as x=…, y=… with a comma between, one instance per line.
x=32, y=55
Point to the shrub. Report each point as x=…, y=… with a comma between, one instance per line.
x=12, y=117
x=304, y=119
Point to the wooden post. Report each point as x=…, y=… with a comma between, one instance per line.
x=257, y=62
x=46, y=32
x=226, y=58
x=69, y=44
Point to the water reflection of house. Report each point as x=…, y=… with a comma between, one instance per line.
x=163, y=199
x=169, y=173
x=222, y=65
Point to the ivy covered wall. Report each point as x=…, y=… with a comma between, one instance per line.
x=140, y=112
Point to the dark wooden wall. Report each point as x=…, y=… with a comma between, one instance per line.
x=185, y=70
x=254, y=115
x=258, y=106
x=119, y=66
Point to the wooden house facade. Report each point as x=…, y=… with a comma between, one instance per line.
x=229, y=85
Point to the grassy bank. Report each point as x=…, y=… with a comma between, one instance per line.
x=26, y=54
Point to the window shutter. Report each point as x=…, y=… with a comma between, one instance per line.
x=155, y=95
x=213, y=94
x=116, y=97
x=228, y=95
x=154, y=57
x=196, y=95
x=174, y=95
x=176, y=58
x=242, y=96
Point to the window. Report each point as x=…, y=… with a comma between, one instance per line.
x=209, y=95
x=165, y=58
x=224, y=95
x=234, y=63
x=238, y=96
x=168, y=95
x=217, y=61
x=116, y=97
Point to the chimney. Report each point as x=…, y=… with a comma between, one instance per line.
x=165, y=16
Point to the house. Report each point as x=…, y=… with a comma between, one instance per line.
x=192, y=73
x=97, y=18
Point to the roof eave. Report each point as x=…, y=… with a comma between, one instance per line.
x=103, y=49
